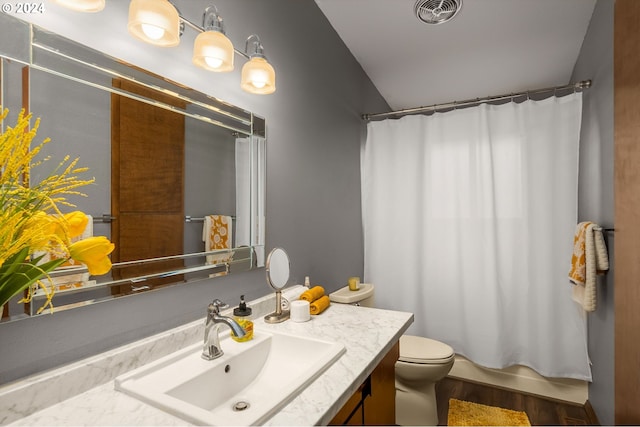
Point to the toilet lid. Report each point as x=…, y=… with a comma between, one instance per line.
x=423, y=350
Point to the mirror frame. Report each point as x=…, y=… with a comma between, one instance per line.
x=34, y=47
x=280, y=257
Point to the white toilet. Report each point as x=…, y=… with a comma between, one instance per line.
x=422, y=363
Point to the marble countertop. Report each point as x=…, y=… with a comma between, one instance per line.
x=367, y=333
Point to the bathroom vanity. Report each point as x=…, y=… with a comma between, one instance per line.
x=84, y=393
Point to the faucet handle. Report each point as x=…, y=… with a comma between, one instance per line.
x=216, y=305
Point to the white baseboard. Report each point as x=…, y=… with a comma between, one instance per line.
x=523, y=379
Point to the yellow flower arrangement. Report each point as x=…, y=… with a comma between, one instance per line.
x=35, y=237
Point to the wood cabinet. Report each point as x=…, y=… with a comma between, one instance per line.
x=375, y=401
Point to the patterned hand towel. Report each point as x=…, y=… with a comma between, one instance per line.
x=217, y=234
x=589, y=258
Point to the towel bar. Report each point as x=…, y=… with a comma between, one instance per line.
x=605, y=229
x=189, y=218
x=106, y=218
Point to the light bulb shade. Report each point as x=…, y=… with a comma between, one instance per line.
x=213, y=51
x=154, y=21
x=258, y=76
x=82, y=5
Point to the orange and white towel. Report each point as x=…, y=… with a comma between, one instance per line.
x=217, y=234
x=589, y=259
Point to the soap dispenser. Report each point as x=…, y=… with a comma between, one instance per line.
x=242, y=315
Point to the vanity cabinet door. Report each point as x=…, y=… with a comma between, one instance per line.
x=377, y=394
x=352, y=413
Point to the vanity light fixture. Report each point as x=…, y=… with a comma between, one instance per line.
x=155, y=21
x=258, y=76
x=212, y=50
x=82, y=5
x=159, y=22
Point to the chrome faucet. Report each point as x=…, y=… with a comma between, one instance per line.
x=211, y=348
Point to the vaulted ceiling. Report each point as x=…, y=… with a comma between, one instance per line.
x=491, y=47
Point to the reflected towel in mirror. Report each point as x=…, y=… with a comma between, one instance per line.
x=217, y=233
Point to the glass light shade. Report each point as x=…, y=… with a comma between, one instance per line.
x=82, y=5
x=258, y=76
x=154, y=21
x=213, y=51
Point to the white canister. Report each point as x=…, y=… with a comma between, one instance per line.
x=300, y=311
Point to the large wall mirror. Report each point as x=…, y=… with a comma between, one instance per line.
x=179, y=175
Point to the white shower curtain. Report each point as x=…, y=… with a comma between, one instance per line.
x=468, y=223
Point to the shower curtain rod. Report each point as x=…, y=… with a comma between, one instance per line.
x=584, y=84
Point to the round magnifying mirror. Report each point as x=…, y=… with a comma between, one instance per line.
x=277, y=266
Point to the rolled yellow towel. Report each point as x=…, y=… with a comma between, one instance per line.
x=312, y=294
x=319, y=305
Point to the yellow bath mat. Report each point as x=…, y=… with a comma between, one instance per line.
x=462, y=413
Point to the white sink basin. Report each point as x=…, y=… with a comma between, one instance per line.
x=266, y=373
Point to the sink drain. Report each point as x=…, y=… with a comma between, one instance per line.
x=240, y=406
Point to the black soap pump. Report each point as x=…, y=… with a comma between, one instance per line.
x=242, y=315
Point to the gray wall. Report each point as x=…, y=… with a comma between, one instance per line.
x=77, y=118
x=596, y=193
x=79, y=122
x=314, y=133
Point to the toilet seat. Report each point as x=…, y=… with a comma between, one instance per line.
x=423, y=350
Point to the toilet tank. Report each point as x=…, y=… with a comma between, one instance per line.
x=363, y=297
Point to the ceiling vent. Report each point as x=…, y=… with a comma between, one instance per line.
x=437, y=11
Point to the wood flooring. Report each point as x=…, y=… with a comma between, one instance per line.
x=539, y=410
